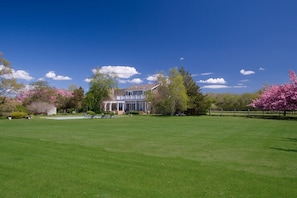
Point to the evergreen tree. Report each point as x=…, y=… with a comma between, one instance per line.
x=197, y=103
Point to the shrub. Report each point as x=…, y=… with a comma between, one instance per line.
x=134, y=112
x=92, y=113
x=18, y=115
x=21, y=108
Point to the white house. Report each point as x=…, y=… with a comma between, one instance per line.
x=130, y=99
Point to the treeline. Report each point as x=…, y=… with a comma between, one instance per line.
x=177, y=93
x=230, y=102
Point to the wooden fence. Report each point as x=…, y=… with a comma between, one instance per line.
x=253, y=113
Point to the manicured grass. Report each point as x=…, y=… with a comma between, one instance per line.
x=146, y=156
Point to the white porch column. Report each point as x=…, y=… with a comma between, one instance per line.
x=105, y=106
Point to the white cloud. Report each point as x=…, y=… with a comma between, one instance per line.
x=244, y=72
x=181, y=58
x=52, y=75
x=152, y=78
x=62, y=78
x=221, y=86
x=18, y=74
x=215, y=86
x=88, y=80
x=244, y=80
x=206, y=73
x=239, y=86
x=214, y=81
x=21, y=74
x=120, y=71
x=133, y=81
x=136, y=81
x=261, y=69
x=123, y=81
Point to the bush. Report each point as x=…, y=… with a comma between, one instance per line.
x=134, y=112
x=18, y=115
x=21, y=108
x=92, y=113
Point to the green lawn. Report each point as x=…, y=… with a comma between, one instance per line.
x=146, y=156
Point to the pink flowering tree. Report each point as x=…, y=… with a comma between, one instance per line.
x=41, y=93
x=278, y=97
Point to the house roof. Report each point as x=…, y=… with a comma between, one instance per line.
x=142, y=87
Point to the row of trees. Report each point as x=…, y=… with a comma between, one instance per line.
x=231, y=102
x=177, y=93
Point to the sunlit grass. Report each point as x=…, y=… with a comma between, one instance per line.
x=144, y=156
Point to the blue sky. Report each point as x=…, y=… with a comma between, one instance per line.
x=233, y=46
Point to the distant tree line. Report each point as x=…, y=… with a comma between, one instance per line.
x=231, y=102
x=177, y=93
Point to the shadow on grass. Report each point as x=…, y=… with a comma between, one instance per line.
x=281, y=149
x=273, y=117
x=291, y=139
x=288, y=140
x=268, y=117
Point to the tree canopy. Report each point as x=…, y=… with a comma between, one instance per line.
x=41, y=95
x=197, y=102
x=171, y=96
x=278, y=97
x=100, y=88
x=8, y=84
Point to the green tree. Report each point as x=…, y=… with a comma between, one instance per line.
x=78, y=98
x=170, y=96
x=89, y=102
x=101, y=86
x=8, y=85
x=159, y=98
x=178, y=98
x=197, y=103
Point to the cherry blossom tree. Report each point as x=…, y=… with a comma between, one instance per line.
x=43, y=94
x=279, y=97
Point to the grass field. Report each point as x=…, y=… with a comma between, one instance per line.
x=147, y=156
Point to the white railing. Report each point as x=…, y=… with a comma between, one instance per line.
x=131, y=97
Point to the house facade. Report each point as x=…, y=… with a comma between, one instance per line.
x=130, y=99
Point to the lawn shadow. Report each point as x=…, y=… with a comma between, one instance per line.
x=288, y=150
x=291, y=139
x=282, y=149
